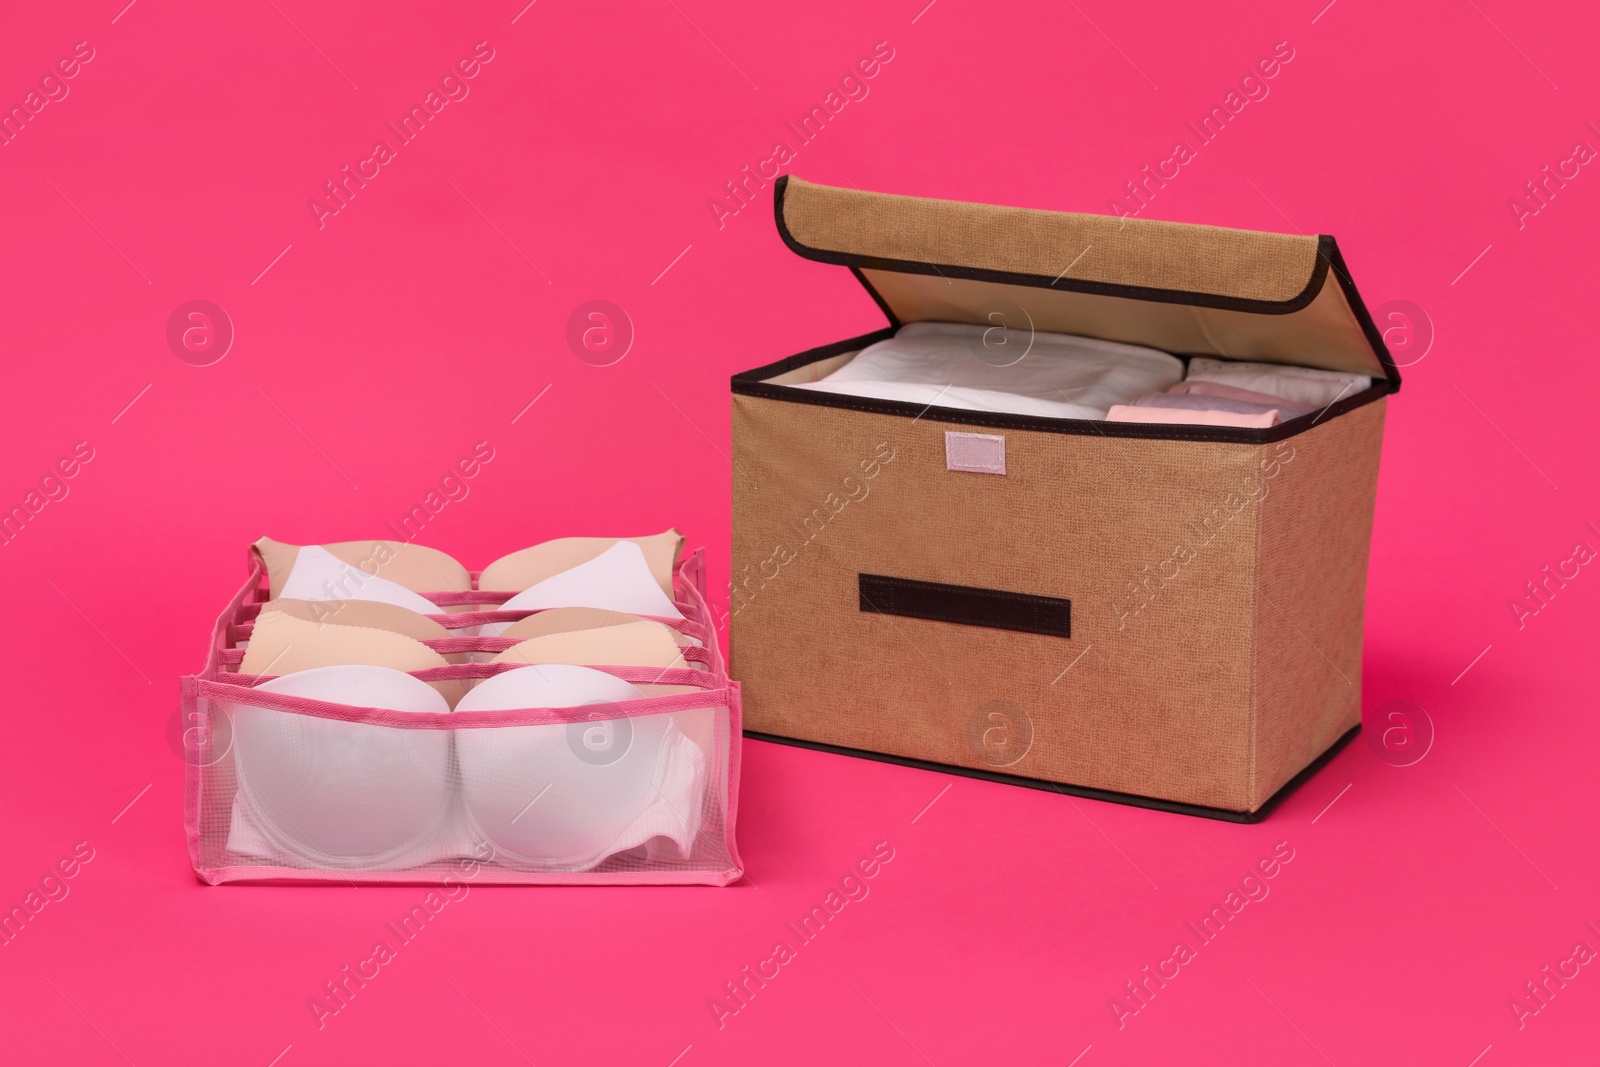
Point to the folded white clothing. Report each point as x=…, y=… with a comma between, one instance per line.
x=992, y=368
x=1300, y=385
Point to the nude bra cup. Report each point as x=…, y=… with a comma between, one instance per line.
x=562, y=620
x=618, y=579
x=312, y=572
x=281, y=644
x=392, y=572
x=530, y=566
x=566, y=796
x=372, y=614
x=416, y=567
x=340, y=794
x=637, y=643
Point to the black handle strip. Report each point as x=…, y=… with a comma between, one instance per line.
x=966, y=605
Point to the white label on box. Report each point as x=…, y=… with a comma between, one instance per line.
x=981, y=453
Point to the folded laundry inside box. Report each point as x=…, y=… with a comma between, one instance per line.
x=992, y=368
x=1300, y=385
x=1057, y=375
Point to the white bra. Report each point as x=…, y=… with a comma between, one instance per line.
x=345, y=795
x=549, y=797
x=567, y=796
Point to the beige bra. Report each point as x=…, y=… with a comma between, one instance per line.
x=635, y=643
x=413, y=567
x=531, y=566
x=565, y=620
x=281, y=643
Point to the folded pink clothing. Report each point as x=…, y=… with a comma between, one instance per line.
x=1204, y=403
x=1189, y=417
x=1233, y=392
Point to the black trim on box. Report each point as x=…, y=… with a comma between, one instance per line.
x=966, y=605
x=758, y=375
x=1330, y=249
x=1107, y=795
x=1319, y=273
x=877, y=298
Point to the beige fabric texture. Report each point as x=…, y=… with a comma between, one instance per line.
x=1315, y=531
x=1162, y=255
x=1196, y=697
x=283, y=644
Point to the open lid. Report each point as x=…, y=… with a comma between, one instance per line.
x=1186, y=289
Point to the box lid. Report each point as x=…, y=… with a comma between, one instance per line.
x=1186, y=289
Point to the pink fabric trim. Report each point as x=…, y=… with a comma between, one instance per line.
x=253, y=875
x=233, y=657
x=448, y=598
x=648, y=675
x=244, y=623
x=461, y=720
x=735, y=764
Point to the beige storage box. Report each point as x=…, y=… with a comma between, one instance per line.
x=1164, y=615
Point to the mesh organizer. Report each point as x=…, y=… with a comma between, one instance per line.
x=232, y=838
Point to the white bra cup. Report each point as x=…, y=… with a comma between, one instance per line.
x=346, y=794
x=320, y=575
x=618, y=579
x=566, y=796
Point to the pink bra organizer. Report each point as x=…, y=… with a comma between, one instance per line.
x=279, y=786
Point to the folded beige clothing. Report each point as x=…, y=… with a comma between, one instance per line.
x=1249, y=396
x=1298, y=385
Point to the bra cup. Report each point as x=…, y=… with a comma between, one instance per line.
x=371, y=614
x=571, y=620
x=341, y=794
x=676, y=815
x=618, y=579
x=532, y=565
x=319, y=575
x=412, y=566
x=277, y=559
x=637, y=643
x=283, y=644
x=416, y=567
x=565, y=796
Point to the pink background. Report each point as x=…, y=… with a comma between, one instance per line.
x=431, y=310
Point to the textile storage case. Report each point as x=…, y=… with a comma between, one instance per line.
x=1166, y=615
x=632, y=791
